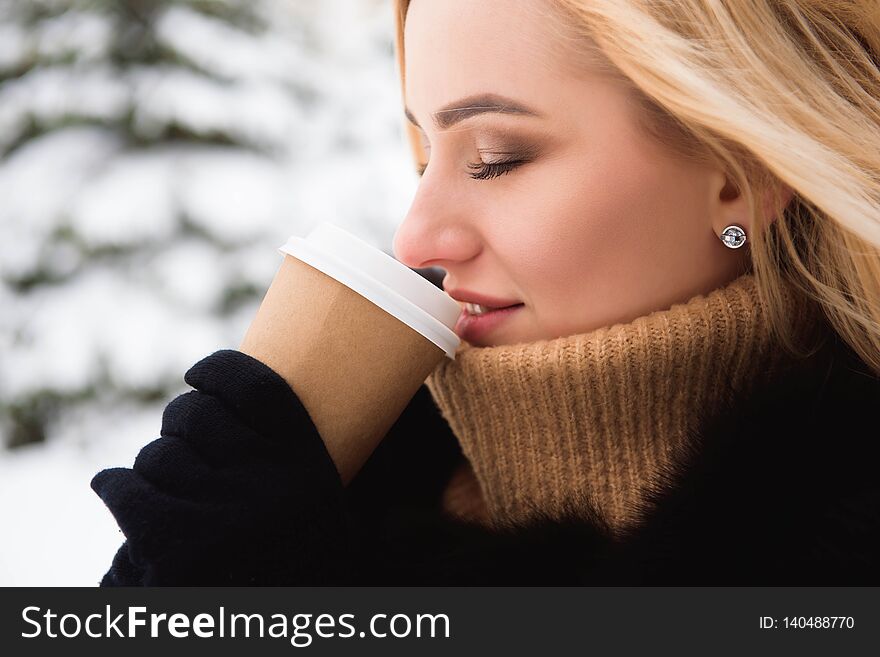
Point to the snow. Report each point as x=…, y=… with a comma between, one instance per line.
x=57, y=532
x=235, y=196
x=85, y=35
x=104, y=318
x=49, y=94
x=273, y=57
x=259, y=113
x=128, y=201
x=38, y=182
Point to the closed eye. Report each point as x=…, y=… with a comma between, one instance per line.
x=484, y=170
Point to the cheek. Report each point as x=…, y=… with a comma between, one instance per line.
x=596, y=220
x=601, y=231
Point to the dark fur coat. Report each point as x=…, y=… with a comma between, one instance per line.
x=781, y=488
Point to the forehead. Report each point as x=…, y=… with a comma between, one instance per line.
x=457, y=48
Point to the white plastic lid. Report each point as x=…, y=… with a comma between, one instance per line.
x=378, y=277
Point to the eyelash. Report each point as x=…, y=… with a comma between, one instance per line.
x=485, y=171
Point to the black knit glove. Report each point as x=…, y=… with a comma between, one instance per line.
x=238, y=490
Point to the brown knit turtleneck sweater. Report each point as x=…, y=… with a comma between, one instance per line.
x=597, y=413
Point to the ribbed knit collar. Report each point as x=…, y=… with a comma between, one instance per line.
x=593, y=415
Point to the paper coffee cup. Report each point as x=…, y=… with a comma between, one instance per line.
x=355, y=333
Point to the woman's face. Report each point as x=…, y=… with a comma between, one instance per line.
x=592, y=223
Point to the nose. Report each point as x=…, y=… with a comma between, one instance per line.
x=438, y=230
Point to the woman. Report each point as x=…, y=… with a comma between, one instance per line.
x=680, y=204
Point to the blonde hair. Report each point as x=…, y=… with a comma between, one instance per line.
x=779, y=93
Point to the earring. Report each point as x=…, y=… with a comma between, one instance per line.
x=733, y=236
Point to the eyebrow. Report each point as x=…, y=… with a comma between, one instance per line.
x=464, y=108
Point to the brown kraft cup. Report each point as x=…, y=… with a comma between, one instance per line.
x=353, y=364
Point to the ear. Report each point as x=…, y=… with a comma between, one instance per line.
x=729, y=206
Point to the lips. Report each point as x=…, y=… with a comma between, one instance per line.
x=468, y=296
x=478, y=309
x=475, y=329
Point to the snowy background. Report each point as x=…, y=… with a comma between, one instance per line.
x=153, y=156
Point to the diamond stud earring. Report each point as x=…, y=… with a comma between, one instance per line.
x=733, y=236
